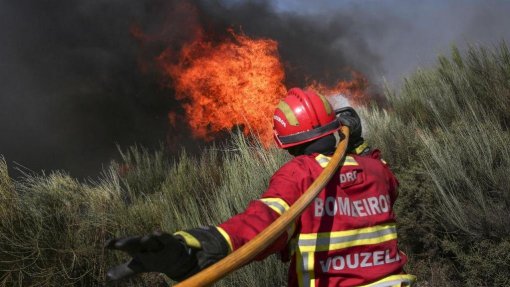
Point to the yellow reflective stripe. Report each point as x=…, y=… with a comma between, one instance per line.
x=326, y=103
x=344, y=239
x=190, y=240
x=361, y=148
x=349, y=160
x=227, y=238
x=276, y=204
x=300, y=269
x=311, y=271
x=346, y=232
x=280, y=206
x=305, y=270
x=394, y=280
x=324, y=160
x=289, y=114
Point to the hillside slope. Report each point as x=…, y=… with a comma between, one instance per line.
x=445, y=134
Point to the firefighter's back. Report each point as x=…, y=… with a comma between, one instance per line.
x=348, y=236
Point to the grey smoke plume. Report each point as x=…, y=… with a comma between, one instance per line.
x=311, y=47
x=72, y=85
x=382, y=39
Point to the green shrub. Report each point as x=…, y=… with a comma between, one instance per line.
x=455, y=191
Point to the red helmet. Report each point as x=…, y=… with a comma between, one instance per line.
x=301, y=117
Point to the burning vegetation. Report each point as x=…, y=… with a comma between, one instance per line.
x=225, y=79
x=236, y=82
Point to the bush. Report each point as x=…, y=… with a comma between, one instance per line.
x=452, y=158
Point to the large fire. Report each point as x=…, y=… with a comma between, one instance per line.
x=236, y=83
x=223, y=85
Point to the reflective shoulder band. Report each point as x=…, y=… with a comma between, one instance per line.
x=324, y=160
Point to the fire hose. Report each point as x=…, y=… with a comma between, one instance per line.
x=247, y=252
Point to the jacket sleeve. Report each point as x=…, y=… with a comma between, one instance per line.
x=285, y=187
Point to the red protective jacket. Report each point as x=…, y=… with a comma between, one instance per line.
x=346, y=237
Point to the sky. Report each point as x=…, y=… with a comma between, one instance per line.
x=415, y=32
x=72, y=88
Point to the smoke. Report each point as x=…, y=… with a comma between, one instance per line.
x=381, y=39
x=71, y=85
x=311, y=46
x=76, y=78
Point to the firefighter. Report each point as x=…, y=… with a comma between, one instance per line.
x=346, y=237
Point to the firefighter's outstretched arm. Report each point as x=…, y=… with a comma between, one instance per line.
x=178, y=256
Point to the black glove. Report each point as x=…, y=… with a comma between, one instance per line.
x=348, y=117
x=157, y=252
x=178, y=256
x=210, y=245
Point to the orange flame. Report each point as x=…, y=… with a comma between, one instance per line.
x=234, y=83
x=354, y=90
